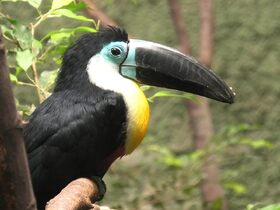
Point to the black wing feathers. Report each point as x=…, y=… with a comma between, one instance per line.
x=69, y=134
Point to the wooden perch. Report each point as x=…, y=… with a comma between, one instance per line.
x=78, y=195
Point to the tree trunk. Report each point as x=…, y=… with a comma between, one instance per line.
x=211, y=189
x=200, y=116
x=15, y=183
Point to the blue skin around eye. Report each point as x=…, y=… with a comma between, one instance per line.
x=106, y=52
x=129, y=70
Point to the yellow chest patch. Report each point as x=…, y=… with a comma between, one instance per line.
x=138, y=117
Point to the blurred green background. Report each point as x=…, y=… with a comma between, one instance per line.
x=163, y=173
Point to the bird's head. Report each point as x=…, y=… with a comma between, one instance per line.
x=140, y=61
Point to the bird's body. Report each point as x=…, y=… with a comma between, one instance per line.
x=97, y=111
x=81, y=135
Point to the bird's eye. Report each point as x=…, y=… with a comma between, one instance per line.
x=115, y=51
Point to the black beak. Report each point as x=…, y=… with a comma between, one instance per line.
x=157, y=65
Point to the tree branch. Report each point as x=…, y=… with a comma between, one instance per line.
x=179, y=24
x=78, y=195
x=95, y=13
x=16, y=189
x=206, y=31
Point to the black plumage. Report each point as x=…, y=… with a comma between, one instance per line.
x=80, y=129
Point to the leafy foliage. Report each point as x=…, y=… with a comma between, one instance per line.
x=28, y=50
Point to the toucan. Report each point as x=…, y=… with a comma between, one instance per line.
x=97, y=111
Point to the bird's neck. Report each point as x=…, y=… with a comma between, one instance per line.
x=106, y=76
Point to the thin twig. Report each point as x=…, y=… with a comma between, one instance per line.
x=41, y=94
x=36, y=80
x=25, y=84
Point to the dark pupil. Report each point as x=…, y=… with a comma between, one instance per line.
x=115, y=51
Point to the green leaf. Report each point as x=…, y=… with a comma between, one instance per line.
x=250, y=207
x=13, y=78
x=60, y=34
x=166, y=93
x=84, y=29
x=271, y=207
x=75, y=7
x=239, y=128
x=56, y=37
x=16, y=32
x=68, y=13
x=173, y=161
x=25, y=110
x=56, y=4
x=7, y=32
x=145, y=87
x=159, y=149
x=33, y=3
x=47, y=79
x=24, y=59
x=36, y=46
x=18, y=70
x=65, y=33
x=257, y=143
x=198, y=154
x=23, y=35
x=236, y=187
x=59, y=50
x=169, y=158
x=10, y=20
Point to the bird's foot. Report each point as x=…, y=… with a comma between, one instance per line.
x=101, y=188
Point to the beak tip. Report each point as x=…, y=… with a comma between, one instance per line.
x=229, y=98
x=225, y=95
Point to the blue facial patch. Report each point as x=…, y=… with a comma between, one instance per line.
x=115, y=52
x=128, y=68
x=118, y=53
x=129, y=71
